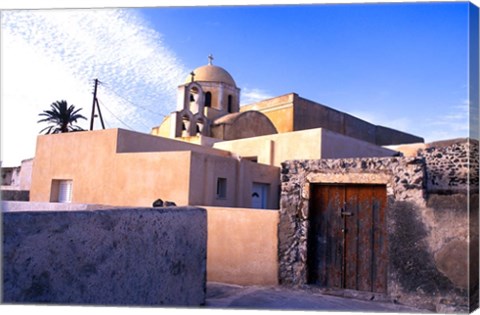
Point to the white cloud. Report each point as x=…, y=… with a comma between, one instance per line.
x=453, y=124
x=55, y=54
x=249, y=95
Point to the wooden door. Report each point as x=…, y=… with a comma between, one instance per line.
x=347, y=237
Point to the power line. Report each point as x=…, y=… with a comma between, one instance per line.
x=127, y=100
x=116, y=116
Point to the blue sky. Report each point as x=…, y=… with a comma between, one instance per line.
x=401, y=65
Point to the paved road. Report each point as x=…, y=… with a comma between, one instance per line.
x=283, y=298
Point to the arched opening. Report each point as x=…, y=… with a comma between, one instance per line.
x=185, y=126
x=200, y=126
x=194, y=97
x=208, y=99
x=193, y=94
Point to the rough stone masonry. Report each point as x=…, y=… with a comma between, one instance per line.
x=432, y=207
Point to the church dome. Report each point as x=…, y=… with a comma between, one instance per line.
x=211, y=73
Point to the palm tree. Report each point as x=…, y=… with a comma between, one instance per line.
x=61, y=117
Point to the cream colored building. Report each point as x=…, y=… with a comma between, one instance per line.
x=208, y=152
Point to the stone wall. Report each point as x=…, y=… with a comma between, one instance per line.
x=451, y=166
x=429, y=225
x=107, y=257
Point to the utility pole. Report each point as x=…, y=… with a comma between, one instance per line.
x=95, y=102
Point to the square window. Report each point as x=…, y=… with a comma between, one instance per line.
x=61, y=191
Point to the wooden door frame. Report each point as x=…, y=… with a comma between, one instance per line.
x=404, y=178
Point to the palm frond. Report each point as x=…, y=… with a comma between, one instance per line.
x=62, y=117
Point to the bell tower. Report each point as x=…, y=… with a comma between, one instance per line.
x=209, y=92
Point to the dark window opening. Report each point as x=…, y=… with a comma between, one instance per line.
x=251, y=158
x=230, y=109
x=208, y=99
x=221, y=188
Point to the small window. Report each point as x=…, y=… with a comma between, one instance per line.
x=61, y=191
x=208, y=99
x=221, y=188
x=230, y=104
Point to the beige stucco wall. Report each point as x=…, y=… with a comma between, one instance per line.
x=240, y=176
x=68, y=156
x=242, y=246
x=306, y=144
x=163, y=130
x=102, y=176
x=335, y=146
x=274, y=149
x=279, y=110
x=131, y=141
x=142, y=178
x=107, y=167
x=242, y=125
x=291, y=112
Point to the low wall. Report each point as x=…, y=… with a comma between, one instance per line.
x=242, y=246
x=109, y=257
x=9, y=206
x=14, y=194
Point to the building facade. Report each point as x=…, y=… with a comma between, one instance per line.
x=208, y=152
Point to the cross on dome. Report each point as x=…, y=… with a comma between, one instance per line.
x=210, y=59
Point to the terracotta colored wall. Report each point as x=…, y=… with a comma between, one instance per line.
x=242, y=246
